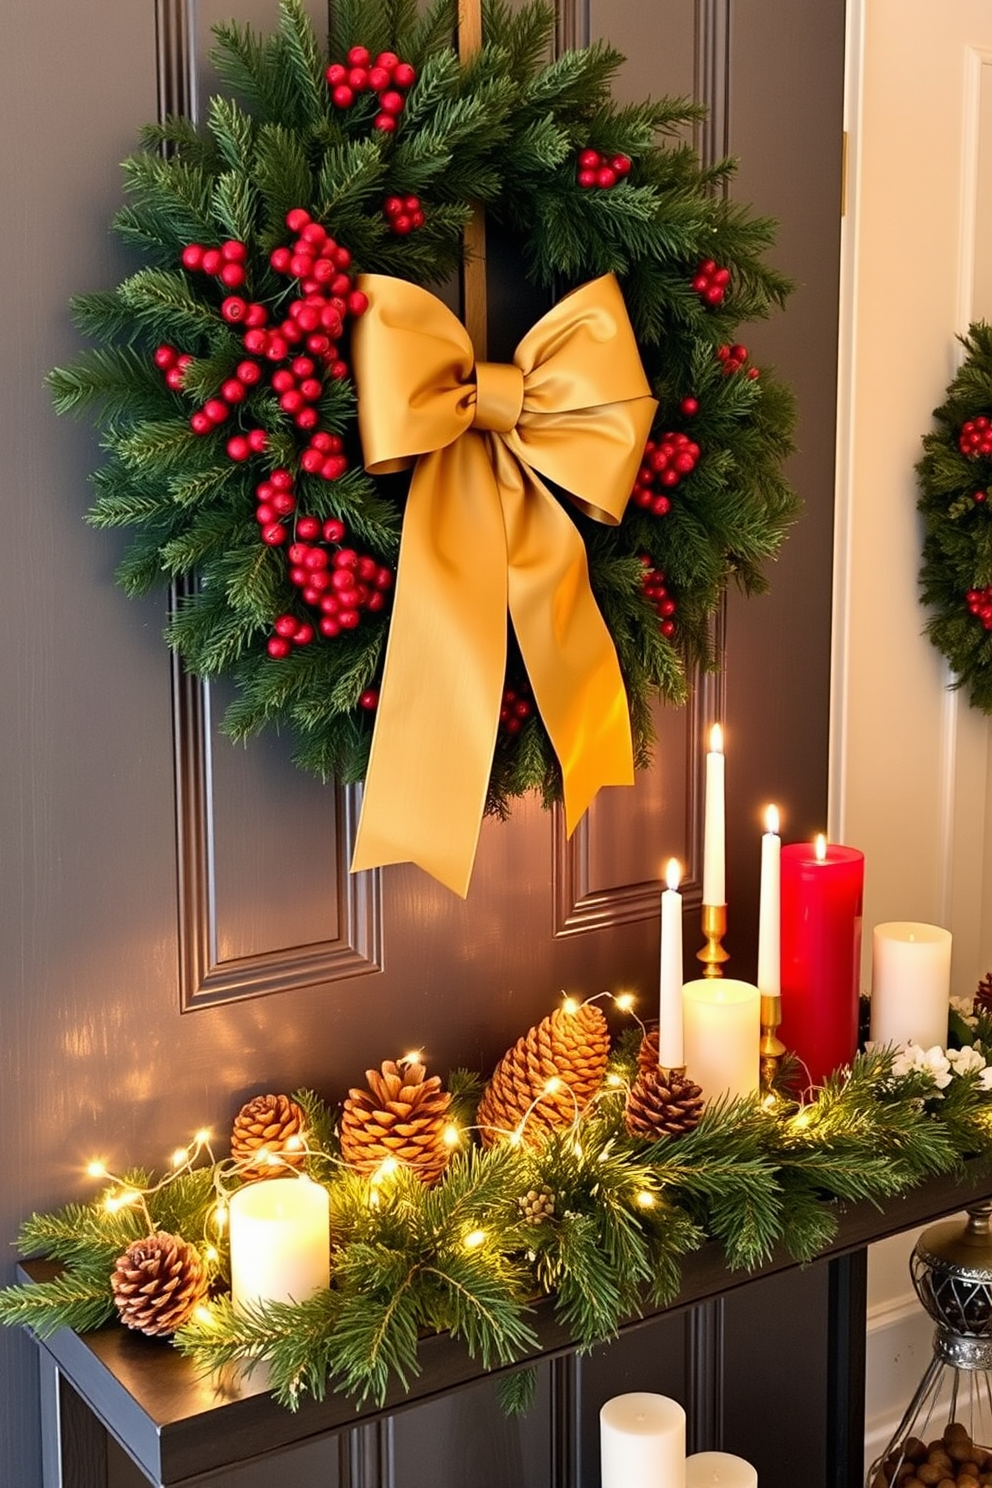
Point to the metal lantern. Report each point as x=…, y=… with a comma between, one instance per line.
x=943, y=1439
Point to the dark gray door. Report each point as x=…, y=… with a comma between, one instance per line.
x=151, y=977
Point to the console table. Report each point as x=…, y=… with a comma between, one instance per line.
x=177, y=1427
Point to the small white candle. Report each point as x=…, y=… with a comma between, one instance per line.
x=642, y=1442
x=670, y=1020
x=714, y=850
x=770, y=909
x=910, y=983
x=705, y=1469
x=722, y=1028
x=280, y=1241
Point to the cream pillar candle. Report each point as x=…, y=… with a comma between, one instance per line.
x=714, y=822
x=722, y=1031
x=670, y=1054
x=642, y=1442
x=280, y=1241
x=719, y=1470
x=769, y=909
x=910, y=983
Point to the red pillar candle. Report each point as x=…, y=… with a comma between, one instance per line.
x=822, y=892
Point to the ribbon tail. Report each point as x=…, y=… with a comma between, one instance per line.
x=566, y=646
x=432, y=750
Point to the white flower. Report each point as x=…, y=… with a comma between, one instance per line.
x=985, y=1078
x=933, y=1062
x=966, y=1060
x=965, y=1009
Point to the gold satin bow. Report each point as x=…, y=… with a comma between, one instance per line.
x=483, y=535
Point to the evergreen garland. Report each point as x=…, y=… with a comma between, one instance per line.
x=955, y=482
x=505, y=130
x=588, y=1216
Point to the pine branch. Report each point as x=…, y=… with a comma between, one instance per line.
x=75, y=1300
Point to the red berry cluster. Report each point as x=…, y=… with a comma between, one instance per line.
x=655, y=590
x=226, y=263
x=387, y=76
x=980, y=604
x=710, y=281
x=975, y=438
x=403, y=213
x=516, y=707
x=173, y=364
x=664, y=463
x=734, y=359
x=602, y=171
x=337, y=581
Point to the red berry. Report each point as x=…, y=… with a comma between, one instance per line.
x=358, y=302
x=238, y=447
x=165, y=357
x=329, y=626
x=359, y=56
x=586, y=178
x=297, y=219
x=307, y=528
x=233, y=391
x=333, y=467
x=343, y=96
x=275, y=535
x=379, y=78
x=336, y=74
x=277, y=647
x=216, y=410
x=404, y=75
x=256, y=340
x=234, y=251
x=174, y=379
x=393, y=206
x=606, y=177
x=249, y=373
x=369, y=699
x=590, y=160
x=257, y=440
x=358, y=79
x=621, y=164
x=311, y=460
x=285, y=625
x=200, y=423
x=385, y=122
x=348, y=619
x=391, y=102
x=211, y=262
x=689, y=407
x=334, y=530
x=192, y=257
x=307, y=417
x=232, y=275
x=279, y=259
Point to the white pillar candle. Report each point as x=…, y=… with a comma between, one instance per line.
x=280, y=1241
x=770, y=909
x=910, y=983
x=642, y=1442
x=670, y=1018
x=714, y=828
x=721, y=1021
x=706, y=1469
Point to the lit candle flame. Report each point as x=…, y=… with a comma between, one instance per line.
x=771, y=820
x=716, y=739
x=673, y=873
x=821, y=848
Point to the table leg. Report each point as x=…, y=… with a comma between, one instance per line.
x=847, y=1307
x=73, y=1443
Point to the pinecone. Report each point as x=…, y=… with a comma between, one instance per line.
x=157, y=1283
x=662, y=1103
x=983, y=994
x=272, y=1122
x=571, y=1047
x=402, y=1115
x=647, y=1053
x=537, y=1205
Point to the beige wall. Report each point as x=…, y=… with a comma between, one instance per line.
x=911, y=766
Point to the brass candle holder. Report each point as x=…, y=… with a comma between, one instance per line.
x=771, y=1047
x=713, y=954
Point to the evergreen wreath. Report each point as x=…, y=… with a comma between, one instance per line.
x=955, y=482
x=584, y=1213
x=221, y=381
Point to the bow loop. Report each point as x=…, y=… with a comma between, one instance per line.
x=483, y=535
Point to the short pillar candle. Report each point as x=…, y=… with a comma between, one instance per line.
x=280, y=1241
x=910, y=983
x=821, y=953
x=722, y=1036
x=642, y=1442
x=719, y=1470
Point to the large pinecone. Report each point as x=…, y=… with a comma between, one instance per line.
x=272, y=1122
x=983, y=994
x=157, y=1283
x=570, y=1047
x=663, y=1103
x=402, y=1115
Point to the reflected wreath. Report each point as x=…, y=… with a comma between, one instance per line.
x=225, y=389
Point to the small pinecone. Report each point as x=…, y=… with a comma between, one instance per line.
x=983, y=994
x=537, y=1205
x=269, y=1121
x=647, y=1054
x=157, y=1283
x=663, y=1103
x=402, y=1115
x=570, y=1046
